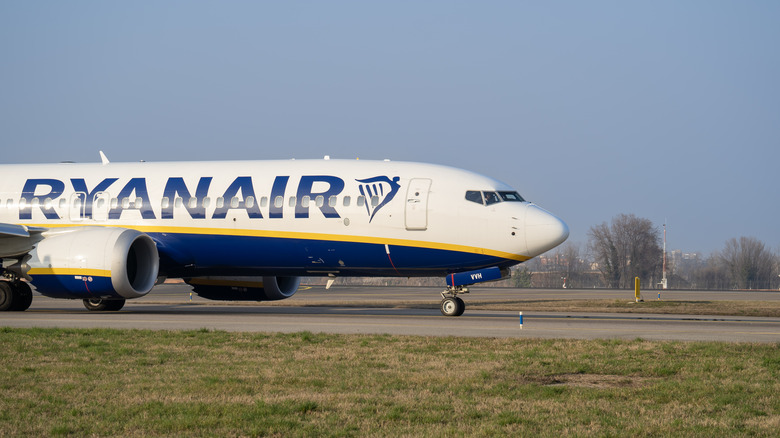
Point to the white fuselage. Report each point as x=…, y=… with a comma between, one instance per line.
x=292, y=217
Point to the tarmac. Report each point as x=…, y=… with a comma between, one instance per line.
x=370, y=310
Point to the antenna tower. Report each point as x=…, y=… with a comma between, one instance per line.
x=664, y=282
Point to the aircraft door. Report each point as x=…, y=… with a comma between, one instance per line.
x=100, y=205
x=417, y=204
x=77, y=205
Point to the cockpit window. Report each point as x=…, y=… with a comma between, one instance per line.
x=488, y=198
x=474, y=196
x=511, y=197
x=491, y=198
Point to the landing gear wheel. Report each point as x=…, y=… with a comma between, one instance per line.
x=452, y=306
x=22, y=297
x=7, y=296
x=461, y=306
x=98, y=304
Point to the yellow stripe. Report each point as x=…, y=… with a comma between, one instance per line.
x=314, y=236
x=71, y=271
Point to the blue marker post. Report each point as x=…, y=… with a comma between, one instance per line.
x=521, y=320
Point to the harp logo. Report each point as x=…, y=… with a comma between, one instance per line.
x=379, y=191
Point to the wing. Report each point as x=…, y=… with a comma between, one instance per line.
x=18, y=240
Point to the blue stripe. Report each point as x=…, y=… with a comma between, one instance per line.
x=68, y=286
x=184, y=255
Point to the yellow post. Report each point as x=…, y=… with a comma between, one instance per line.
x=637, y=295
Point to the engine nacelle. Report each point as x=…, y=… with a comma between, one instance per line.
x=94, y=262
x=244, y=288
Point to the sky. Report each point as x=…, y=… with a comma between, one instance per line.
x=667, y=110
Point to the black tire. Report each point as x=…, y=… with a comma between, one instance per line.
x=461, y=306
x=23, y=297
x=99, y=304
x=452, y=306
x=7, y=296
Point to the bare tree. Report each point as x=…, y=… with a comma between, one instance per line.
x=572, y=264
x=748, y=263
x=629, y=247
x=709, y=275
x=605, y=253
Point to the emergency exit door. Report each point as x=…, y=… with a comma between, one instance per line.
x=417, y=204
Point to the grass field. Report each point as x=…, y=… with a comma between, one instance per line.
x=199, y=383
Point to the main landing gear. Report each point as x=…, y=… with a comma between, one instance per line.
x=15, y=296
x=98, y=304
x=451, y=304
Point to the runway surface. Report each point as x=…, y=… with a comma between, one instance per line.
x=169, y=307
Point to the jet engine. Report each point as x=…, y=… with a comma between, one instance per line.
x=94, y=262
x=270, y=288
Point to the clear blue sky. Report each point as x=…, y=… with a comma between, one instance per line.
x=663, y=109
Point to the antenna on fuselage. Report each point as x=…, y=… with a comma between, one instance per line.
x=103, y=158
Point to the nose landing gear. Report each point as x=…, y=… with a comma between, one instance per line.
x=451, y=304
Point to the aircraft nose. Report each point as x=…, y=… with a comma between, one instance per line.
x=543, y=230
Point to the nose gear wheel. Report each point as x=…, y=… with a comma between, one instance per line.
x=451, y=304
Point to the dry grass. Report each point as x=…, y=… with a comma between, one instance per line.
x=733, y=308
x=142, y=383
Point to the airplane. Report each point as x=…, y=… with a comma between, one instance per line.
x=249, y=230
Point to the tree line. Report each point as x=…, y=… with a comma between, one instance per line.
x=630, y=247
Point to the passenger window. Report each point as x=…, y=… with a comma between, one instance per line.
x=114, y=203
x=305, y=201
x=292, y=201
x=249, y=203
x=347, y=201
x=63, y=202
x=165, y=202
x=234, y=202
x=374, y=201
x=206, y=202
x=278, y=201
x=264, y=201
x=193, y=202
x=491, y=198
x=333, y=201
x=178, y=202
x=361, y=201
x=220, y=202
x=474, y=196
x=319, y=201
x=125, y=203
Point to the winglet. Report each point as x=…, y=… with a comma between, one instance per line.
x=103, y=158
